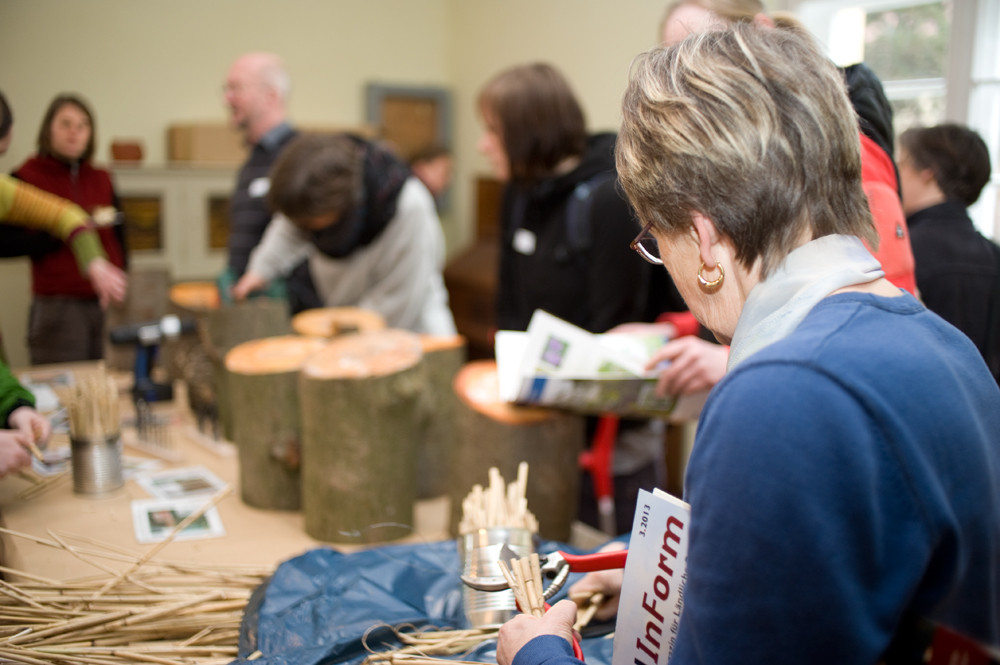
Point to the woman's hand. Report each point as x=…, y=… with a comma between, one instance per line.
x=694, y=365
x=14, y=454
x=523, y=628
x=31, y=423
x=606, y=582
x=247, y=284
x=109, y=281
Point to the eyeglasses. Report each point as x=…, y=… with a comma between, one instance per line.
x=646, y=246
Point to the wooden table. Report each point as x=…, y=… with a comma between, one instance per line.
x=253, y=536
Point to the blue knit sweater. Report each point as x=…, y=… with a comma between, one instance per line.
x=844, y=481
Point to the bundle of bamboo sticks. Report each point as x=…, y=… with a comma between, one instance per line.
x=92, y=406
x=498, y=505
x=172, y=613
x=524, y=577
x=167, y=613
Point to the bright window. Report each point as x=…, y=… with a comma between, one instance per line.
x=908, y=49
x=938, y=62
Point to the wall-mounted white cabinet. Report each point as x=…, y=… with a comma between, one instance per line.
x=177, y=217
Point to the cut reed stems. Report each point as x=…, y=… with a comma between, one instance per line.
x=420, y=646
x=164, y=613
x=524, y=576
x=498, y=504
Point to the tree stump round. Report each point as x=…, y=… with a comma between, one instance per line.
x=184, y=357
x=491, y=432
x=263, y=380
x=221, y=329
x=198, y=360
x=360, y=399
x=334, y=321
x=195, y=296
x=444, y=356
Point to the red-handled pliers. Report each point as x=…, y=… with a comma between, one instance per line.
x=555, y=566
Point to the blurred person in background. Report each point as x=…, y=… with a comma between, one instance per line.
x=256, y=92
x=67, y=310
x=943, y=169
x=564, y=232
x=366, y=227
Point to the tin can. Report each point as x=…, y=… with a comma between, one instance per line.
x=97, y=464
x=479, y=552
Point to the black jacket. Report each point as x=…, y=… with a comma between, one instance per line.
x=872, y=106
x=596, y=286
x=249, y=212
x=958, y=273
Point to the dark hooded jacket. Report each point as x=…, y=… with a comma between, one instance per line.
x=595, y=282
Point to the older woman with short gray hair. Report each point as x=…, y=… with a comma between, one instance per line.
x=845, y=479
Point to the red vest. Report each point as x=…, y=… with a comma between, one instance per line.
x=56, y=273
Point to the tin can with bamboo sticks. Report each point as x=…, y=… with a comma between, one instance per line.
x=95, y=435
x=479, y=552
x=494, y=515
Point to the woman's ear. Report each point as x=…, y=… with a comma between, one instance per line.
x=708, y=238
x=927, y=177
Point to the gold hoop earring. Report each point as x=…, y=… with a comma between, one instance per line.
x=715, y=283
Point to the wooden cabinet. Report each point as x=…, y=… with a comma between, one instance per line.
x=177, y=217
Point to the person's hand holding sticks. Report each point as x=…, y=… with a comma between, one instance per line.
x=523, y=628
x=13, y=451
x=36, y=428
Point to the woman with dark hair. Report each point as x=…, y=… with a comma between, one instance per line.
x=942, y=170
x=67, y=318
x=564, y=238
x=535, y=138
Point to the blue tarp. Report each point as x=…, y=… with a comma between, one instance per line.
x=318, y=608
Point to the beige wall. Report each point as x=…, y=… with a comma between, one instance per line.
x=149, y=63
x=145, y=64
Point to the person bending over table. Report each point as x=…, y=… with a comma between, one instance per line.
x=845, y=479
x=367, y=227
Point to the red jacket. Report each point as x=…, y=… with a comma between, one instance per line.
x=878, y=178
x=55, y=273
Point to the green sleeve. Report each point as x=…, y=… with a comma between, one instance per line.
x=12, y=394
x=86, y=246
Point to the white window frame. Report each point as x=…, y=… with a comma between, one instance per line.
x=972, y=84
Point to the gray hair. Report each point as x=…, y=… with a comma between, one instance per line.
x=274, y=74
x=750, y=127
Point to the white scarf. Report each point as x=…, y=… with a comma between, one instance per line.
x=777, y=305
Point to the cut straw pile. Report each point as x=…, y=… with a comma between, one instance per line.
x=499, y=505
x=133, y=611
x=431, y=646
